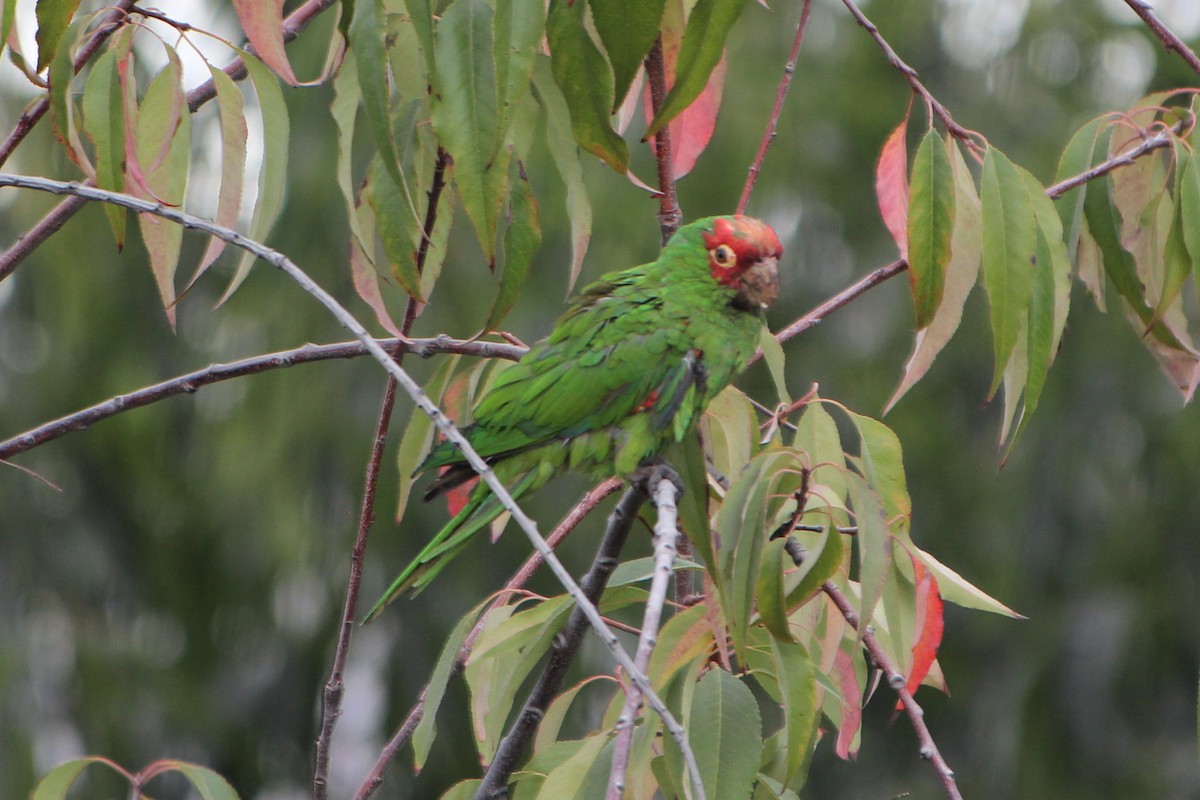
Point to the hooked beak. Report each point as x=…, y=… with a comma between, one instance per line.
x=758, y=286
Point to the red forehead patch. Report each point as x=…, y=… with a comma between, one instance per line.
x=750, y=239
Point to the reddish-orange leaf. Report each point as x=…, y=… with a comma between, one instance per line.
x=929, y=627
x=692, y=130
x=366, y=283
x=455, y=403
x=262, y=20
x=891, y=185
x=851, y=706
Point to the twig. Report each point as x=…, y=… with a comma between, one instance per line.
x=773, y=121
x=910, y=74
x=331, y=705
x=670, y=217
x=916, y=716
x=666, y=533
x=448, y=429
x=215, y=373
x=48, y=225
x=1155, y=142
x=562, y=650
x=398, y=741
x=1169, y=40
x=114, y=20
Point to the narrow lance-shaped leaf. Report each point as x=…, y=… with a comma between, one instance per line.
x=8, y=16
x=465, y=115
x=930, y=225
x=521, y=241
x=883, y=462
x=929, y=626
x=104, y=123
x=891, y=185
x=1188, y=201
x=518, y=32
x=797, y=683
x=273, y=167
x=703, y=44
x=363, y=271
x=262, y=20
x=370, y=56
x=961, y=275
x=53, y=18
x=1177, y=265
x=1076, y=159
x=769, y=590
x=233, y=162
x=426, y=730
x=397, y=227
x=873, y=545
x=958, y=590
x=1009, y=250
x=627, y=29
x=566, y=159
x=62, y=107
x=586, y=81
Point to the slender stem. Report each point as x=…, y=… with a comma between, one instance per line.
x=773, y=121
x=50, y=224
x=562, y=650
x=347, y=320
x=192, y=382
x=1169, y=40
x=670, y=217
x=666, y=534
x=916, y=716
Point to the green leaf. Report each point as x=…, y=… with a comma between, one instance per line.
x=233, y=162
x=518, y=32
x=418, y=435
x=521, y=241
x=883, y=461
x=873, y=545
x=817, y=435
x=55, y=784
x=566, y=160
x=104, y=123
x=820, y=565
x=689, y=461
x=586, y=82
x=732, y=430
x=1009, y=250
x=272, y=174
x=703, y=43
x=367, y=43
x=397, y=227
x=426, y=730
x=53, y=18
x=62, y=107
x=208, y=784
x=1076, y=159
x=726, y=736
x=795, y=672
x=566, y=780
x=773, y=355
x=344, y=110
x=7, y=17
x=1188, y=202
x=769, y=590
x=421, y=12
x=627, y=29
x=958, y=590
x=930, y=225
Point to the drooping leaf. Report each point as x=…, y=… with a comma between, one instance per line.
x=53, y=18
x=769, y=590
x=961, y=275
x=62, y=107
x=773, y=356
x=421, y=12
x=820, y=564
x=929, y=626
x=465, y=115
x=873, y=545
x=731, y=429
x=521, y=241
x=233, y=162
x=426, y=730
x=1076, y=159
x=817, y=435
x=104, y=123
x=930, y=225
x=586, y=81
x=883, y=463
x=366, y=39
x=703, y=44
x=891, y=185
x=728, y=739
x=566, y=159
x=627, y=29
x=956, y=589
x=1176, y=264
x=794, y=670
x=850, y=725
x=397, y=227
x=262, y=20
x=1009, y=250
x=208, y=784
x=567, y=779
x=518, y=32
x=1188, y=203
x=273, y=168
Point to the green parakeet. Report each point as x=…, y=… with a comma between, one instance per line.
x=627, y=370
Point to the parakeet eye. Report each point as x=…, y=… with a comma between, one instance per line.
x=724, y=256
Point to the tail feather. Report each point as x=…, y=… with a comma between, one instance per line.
x=477, y=514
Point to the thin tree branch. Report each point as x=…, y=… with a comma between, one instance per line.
x=916, y=716
x=1156, y=142
x=1169, y=40
x=910, y=74
x=670, y=217
x=58, y=216
x=773, y=121
x=404, y=733
x=347, y=320
x=666, y=534
x=562, y=650
x=331, y=705
x=215, y=373
x=112, y=22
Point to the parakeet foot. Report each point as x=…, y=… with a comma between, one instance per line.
x=647, y=476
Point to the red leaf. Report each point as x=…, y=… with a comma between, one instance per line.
x=693, y=128
x=262, y=20
x=851, y=705
x=891, y=185
x=456, y=498
x=454, y=403
x=929, y=627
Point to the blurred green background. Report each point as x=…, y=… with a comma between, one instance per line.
x=179, y=597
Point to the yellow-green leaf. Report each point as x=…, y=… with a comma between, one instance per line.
x=233, y=162
x=397, y=227
x=104, y=123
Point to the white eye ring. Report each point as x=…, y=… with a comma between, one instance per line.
x=724, y=256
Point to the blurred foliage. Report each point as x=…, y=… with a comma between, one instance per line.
x=178, y=598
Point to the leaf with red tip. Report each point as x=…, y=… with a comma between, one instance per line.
x=891, y=185
x=847, y=744
x=262, y=20
x=233, y=163
x=930, y=625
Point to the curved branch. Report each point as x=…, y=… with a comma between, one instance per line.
x=1168, y=38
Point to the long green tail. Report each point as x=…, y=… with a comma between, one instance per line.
x=477, y=514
